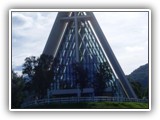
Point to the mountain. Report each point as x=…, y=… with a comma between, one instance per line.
x=141, y=75
x=139, y=80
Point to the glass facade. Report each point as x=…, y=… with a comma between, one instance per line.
x=90, y=56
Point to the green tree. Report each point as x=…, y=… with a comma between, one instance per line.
x=28, y=71
x=40, y=72
x=81, y=76
x=103, y=75
x=43, y=75
x=56, y=67
x=137, y=88
x=17, y=93
x=146, y=93
x=29, y=66
x=140, y=91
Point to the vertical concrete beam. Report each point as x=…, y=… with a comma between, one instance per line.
x=76, y=36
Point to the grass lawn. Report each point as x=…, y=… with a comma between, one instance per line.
x=93, y=105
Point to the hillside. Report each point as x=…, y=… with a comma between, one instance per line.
x=139, y=80
x=141, y=75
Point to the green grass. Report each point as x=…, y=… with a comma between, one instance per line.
x=94, y=105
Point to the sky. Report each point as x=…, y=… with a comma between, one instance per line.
x=126, y=32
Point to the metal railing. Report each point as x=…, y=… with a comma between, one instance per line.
x=80, y=99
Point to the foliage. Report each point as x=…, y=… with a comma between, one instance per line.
x=103, y=75
x=140, y=91
x=57, y=68
x=39, y=70
x=137, y=88
x=43, y=75
x=139, y=80
x=141, y=75
x=29, y=66
x=17, y=93
x=81, y=75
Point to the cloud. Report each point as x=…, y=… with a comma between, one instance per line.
x=20, y=21
x=30, y=31
x=134, y=48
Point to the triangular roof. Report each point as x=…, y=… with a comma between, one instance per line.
x=80, y=32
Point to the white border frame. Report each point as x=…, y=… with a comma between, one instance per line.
x=98, y=10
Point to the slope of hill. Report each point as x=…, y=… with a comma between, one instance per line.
x=139, y=80
x=141, y=75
